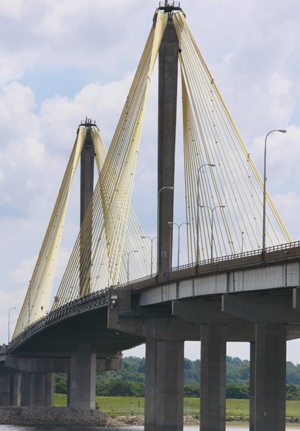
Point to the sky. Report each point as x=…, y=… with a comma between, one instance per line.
x=64, y=60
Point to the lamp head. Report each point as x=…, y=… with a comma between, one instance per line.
x=222, y=206
x=170, y=223
x=282, y=131
x=212, y=165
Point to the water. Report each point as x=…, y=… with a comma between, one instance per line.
x=80, y=428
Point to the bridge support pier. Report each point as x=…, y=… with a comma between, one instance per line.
x=9, y=390
x=213, y=378
x=270, y=377
x=164, y=385
x=82, y=384
x=37, y=389
x=270, y=314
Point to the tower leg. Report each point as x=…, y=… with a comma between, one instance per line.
x=167, y=109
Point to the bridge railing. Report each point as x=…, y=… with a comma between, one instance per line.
x=229, y=257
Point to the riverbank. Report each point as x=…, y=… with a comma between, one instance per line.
x=64, y=416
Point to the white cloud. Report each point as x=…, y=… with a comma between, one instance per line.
x=11, y=9
x=24, y=272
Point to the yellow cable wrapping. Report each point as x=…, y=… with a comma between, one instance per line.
x=211, y=136
x=110, y=225
x=36, y=303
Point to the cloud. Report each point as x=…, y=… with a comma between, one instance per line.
x=24, y=272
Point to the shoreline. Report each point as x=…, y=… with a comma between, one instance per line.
x=64, y=416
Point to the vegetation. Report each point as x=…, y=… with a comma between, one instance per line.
x=130, y=380
x=235, y=409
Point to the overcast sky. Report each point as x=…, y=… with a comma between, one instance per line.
x=63, y=60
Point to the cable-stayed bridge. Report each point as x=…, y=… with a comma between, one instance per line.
x=240, y=281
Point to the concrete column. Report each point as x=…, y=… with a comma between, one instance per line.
x=37, y=389
x=86, y=193
x=15, y=387
x=83, y=378
x=167, y=109
x=213, y=378
x=68, y=389
x=270, y=377
x=252, y=387
x=25, y=388
x=150, y=385
x=4, y=390
x=170, y=377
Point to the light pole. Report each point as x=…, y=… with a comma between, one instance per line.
x=12, y=308
x=151, y=239
x=264, y=196
x=198, y=186
x=128, y=255
x=242, y=242
x=178, y=226
x=212, y=226
x=158, y=230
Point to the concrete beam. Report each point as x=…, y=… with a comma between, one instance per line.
x=260, y=307
x=156, y=327
x=39, y=365
x=204, y=312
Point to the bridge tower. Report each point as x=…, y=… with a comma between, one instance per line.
x=167, y=114
x=86, y=194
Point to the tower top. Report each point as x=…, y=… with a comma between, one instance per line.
x=169, y=6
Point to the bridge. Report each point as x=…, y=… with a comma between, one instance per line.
x=241, y=282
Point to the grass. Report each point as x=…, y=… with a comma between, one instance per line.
x=120, y=406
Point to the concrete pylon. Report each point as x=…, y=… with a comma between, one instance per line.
x=86, y=194
x=213, y=378
x=9, y=390
x=167, y=111
x=164, y=385
x=82, y=379
x=37, y=389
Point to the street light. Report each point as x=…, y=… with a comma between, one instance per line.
x=12, y=308
x=212, y=225
x=198, y=184
x=178, y=226
x=158, y=208
x=264, y=196
x=151, y=239
x=128, y=255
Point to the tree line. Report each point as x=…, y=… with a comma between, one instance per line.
x=130, y=379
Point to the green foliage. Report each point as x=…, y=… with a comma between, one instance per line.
x=237, y=391
x=130, y=379
x=120, y=388
x=61, y=385
x=292, y=392
x=191, y=391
